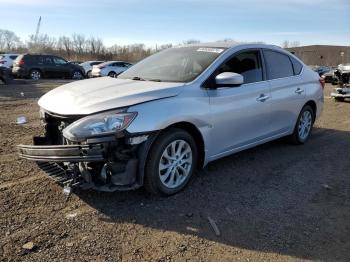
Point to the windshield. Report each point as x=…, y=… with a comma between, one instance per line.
x=181, y=64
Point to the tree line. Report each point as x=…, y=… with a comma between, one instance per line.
x=75, y=47
x=80, y=48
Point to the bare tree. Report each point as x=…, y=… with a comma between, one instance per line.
x=95, y=46
x=41, y=43
x=288, y=44
x=64, y=43
x=9, y=40
x=285, y=44
x=294, y=44
x=79, y=43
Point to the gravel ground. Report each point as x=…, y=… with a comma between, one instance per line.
x=276, y=202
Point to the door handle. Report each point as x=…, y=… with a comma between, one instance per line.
x=299, y=91
x=262, y=98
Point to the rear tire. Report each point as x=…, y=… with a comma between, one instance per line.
x=35, y=74
x=303, y=127
x=171, y=162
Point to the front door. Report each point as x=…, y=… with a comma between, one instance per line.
x=240, y=115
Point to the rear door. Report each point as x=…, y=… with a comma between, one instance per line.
x=240, y=115
x=62, y=67
x=46, y=65
x=287, y=92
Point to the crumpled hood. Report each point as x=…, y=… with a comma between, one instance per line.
x=94, y=95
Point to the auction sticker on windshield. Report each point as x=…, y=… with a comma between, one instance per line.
x=212, y=50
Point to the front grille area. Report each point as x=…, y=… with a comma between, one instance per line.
x=54, y=125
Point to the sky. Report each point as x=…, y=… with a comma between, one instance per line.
x=161, y=21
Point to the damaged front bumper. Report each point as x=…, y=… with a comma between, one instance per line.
x=62, y=153
x=104, y=165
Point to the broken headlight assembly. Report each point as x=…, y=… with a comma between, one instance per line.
x=98, y=125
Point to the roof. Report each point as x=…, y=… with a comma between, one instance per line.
x=228, y=44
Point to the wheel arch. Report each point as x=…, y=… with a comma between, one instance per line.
x=197, y=136
x=313, y=105
x=188, y=127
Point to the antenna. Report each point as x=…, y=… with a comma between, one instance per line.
x=37, y=30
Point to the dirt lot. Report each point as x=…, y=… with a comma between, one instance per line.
x=275, y=202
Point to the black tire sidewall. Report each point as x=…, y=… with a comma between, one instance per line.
x=152, y=178
x=77, y=71
x=112, y=74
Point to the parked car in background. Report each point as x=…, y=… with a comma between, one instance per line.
x=329, y=76
x=342, y=78
x=5, y=75
x=6, y=60
x=88, y=67
x=44, y=66
x=110, y=68
x=321, y=70
x=173, y=112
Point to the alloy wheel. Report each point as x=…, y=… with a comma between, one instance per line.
x=35, y=75
x=175, y=164
x=77, y=75
x=305, y=124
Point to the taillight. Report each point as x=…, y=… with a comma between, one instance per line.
x=322, y=82
x=21, y=62
x=2, y=62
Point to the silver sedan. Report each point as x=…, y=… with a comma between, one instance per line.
x=173, y=112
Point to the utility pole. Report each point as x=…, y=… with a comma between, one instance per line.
x=37, y=30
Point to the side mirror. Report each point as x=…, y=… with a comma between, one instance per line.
x=229, y=79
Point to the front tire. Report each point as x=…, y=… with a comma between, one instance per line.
x=171, y=162
x=303, y=127
x=112, y=74
x=77, y=75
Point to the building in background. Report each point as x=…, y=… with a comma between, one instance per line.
x=326, y=55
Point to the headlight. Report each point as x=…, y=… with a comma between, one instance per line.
x=98, y=125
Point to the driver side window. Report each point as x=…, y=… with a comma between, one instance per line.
x=248, y=64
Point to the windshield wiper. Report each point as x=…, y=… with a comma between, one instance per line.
x=138, y=78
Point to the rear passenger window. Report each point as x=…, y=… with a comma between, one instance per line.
x=297, y=66
x=278, y=65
